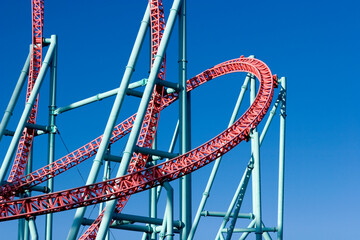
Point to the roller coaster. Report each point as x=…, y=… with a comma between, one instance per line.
x=142, y=166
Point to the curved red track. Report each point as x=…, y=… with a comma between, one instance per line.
x=167, y=171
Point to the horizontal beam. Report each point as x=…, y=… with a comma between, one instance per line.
x=141, y=219
x=114, y=225
x=168, y=84
x=38, y=127
x=154, y=152
x=43, y=189
x=222, y=214
x=104, y=95
x=112, y=158
x=239, y=230
x=134, y=93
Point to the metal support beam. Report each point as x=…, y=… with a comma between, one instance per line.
x=169, y=211
x=117, y=225
x=174, y=86
x=112, y=158
x=31, y=100
x=223, y=214
x=129, y=149
x=79, y=215
x=185, y=124
x=104, y=95
x=52, y=133
x=281, y=160
x=153, y=152
x=15, y=96
x=256, y=179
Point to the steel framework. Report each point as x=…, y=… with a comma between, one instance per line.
x=142, y=166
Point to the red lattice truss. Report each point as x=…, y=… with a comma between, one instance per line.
x=26, y=140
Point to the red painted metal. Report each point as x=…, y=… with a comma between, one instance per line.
x=189, y=162
x=26, y=140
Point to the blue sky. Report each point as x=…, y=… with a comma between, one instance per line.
x=313, y=43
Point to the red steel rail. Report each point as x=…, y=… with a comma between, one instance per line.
x=167, y=171
x=26, y=140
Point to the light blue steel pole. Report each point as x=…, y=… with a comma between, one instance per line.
x=256, y=179
x=217, y=162
x=281, y=160
x=51, y=136
x=169, y=211
x=153, y=199
x=98, y=97
x=106, y=176
x=15, y=96
x=29, y=104
x=79, y=215
x=33, y=229
x=185, y=125
x=134, y=134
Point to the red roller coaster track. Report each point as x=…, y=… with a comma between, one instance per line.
x=167, y=171
x=26, y=140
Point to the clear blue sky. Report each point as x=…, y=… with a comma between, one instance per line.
x=313, y=43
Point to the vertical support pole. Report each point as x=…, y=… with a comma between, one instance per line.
x=256, y=179
x=281, y=160
x=169, y=211
x=30, y=227
x=51, y=136
x=184, y=118
x=21, y=225
x=15, y=96
x=79, y=215
x=106, y=176
x=153, y=200
x=33, y=230
x=29, y=104
x=134, y=134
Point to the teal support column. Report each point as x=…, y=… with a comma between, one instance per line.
x=21, y=226
x=169, y=211
x=256, y=179
x=15, y=96
x=33, y=229
x=29, y=104
x=79, y=215
x=185, y=127
x=153, y=200
x=281, y=160
x=106, y=176
x=134, y=134
x=256, y=184
x=51, y=136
